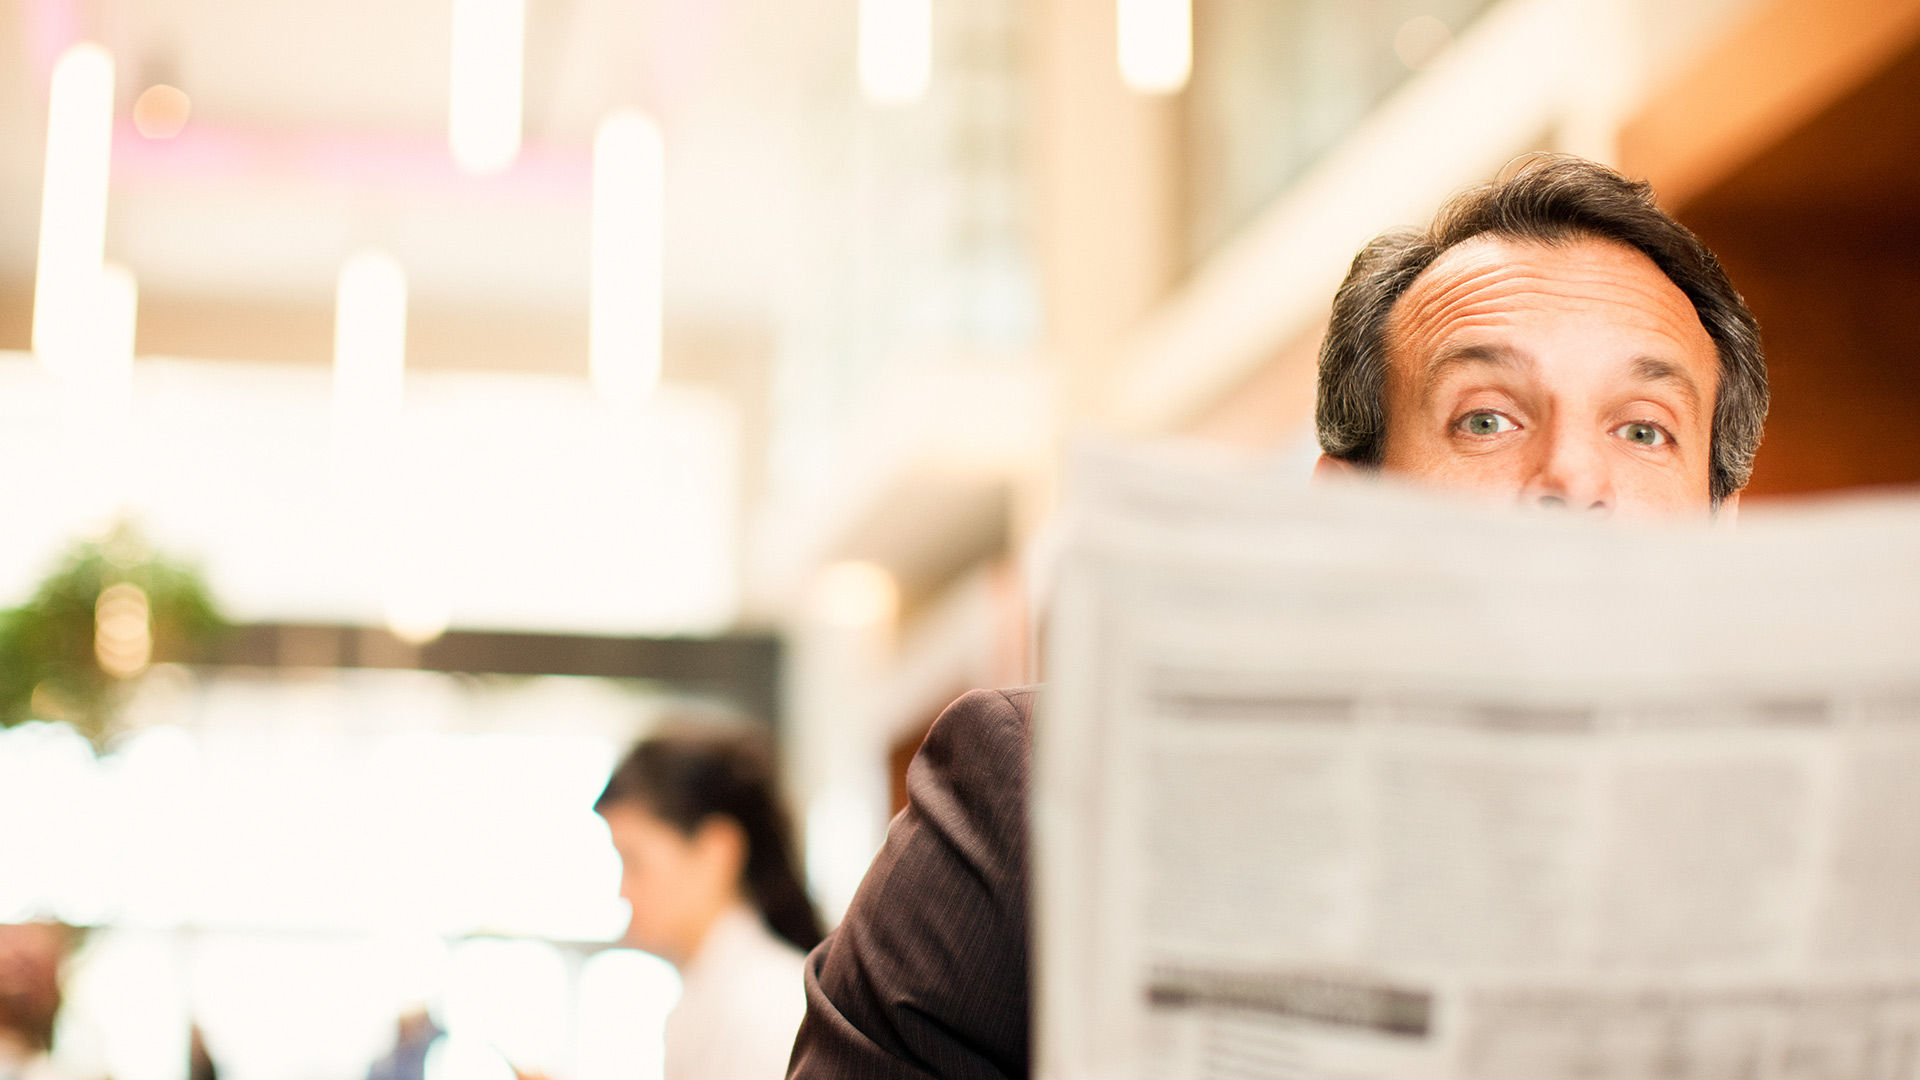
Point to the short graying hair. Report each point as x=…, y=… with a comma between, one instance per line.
x=1547, y=199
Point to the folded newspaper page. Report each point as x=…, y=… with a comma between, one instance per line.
x=1364, y=783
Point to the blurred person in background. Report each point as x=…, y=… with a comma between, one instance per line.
x=30, y=955
x=414, y=1034
x=707, y=864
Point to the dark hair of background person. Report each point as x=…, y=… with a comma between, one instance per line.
x=689, y=772
x=1547, y=199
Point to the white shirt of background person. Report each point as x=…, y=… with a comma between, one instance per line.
x=741, y=1001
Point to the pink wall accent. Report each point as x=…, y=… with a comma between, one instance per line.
x=51, y=26
x=203, y=153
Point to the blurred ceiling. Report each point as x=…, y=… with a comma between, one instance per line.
x=320, y=128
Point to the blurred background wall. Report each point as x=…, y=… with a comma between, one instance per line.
x=786, y=437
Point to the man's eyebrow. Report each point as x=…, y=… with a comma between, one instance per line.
x=1491, y=354
x=1654, y=369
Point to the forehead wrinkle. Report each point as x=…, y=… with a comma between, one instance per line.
x=1422, y=303
x=1486, y=294
x=1463, y=296
x=1595, y=263
x=1499, y=285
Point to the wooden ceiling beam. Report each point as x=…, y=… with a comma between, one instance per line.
x=1785, y=65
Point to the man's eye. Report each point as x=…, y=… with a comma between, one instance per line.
x=1485, y=423
x=1642, y=434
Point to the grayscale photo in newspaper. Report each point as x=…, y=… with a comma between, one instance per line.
x=1360, y=783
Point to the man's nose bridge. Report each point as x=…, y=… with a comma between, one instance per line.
x=1571, y=465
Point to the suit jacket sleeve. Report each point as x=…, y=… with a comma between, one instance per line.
x=927, y=974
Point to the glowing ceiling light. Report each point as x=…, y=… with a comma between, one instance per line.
x=1156, y=45
x=896, y=49
x=415, y=616
x=483, y=113
x=122, y=631
x=73, y=202
x=161, y=111
x=629, y=239
x=369, y=338
x=856, y=594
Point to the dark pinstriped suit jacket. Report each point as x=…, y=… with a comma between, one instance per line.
x=927, y=975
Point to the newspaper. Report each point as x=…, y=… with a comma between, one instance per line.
x=1366, y=783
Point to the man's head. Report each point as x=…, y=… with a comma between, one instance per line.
x=1555, y=336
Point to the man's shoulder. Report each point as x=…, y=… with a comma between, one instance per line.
x=1007, y=713
x=927, y=975
x=1016, y=701
x=982, y=740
